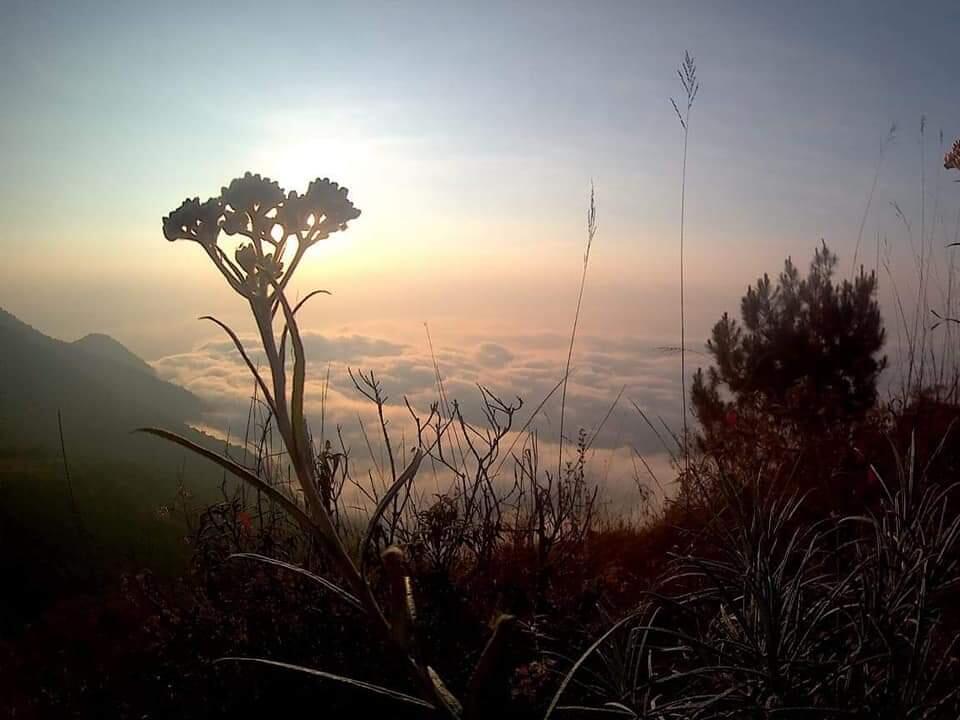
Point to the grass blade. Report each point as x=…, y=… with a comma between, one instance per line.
x=335, y=589
x=405, y=477
x=350, y=682
x=236, y=469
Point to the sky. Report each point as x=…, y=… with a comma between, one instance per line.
x=469, y=135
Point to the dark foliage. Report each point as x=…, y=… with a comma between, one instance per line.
x=803, y=362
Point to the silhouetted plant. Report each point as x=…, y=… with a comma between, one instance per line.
x=769, y=616
x=274, y=222
x=803, y=361
x=691, y=86
x=951, y=161
x=927, y=368
x=884, y=144
x=591, y=234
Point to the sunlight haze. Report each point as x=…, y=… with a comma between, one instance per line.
x=469, y=135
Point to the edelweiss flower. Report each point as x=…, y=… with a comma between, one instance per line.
x=261, y=271
x=253, y=206
x=330, y=207
x=951, y=160
x=247, y=201
x=246, y=258
x=252, y=194
x=293, y=214
x=271, y=267
x=194, y=220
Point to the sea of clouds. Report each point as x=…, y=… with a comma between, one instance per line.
x=527, y=367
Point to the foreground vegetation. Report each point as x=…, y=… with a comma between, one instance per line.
x=760, y=592
x=806, y=563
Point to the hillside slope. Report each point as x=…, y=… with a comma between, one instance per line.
x=101, y=389
x=102, y=516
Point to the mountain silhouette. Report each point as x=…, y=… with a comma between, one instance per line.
x=101, y=508
x=100, y=388
x=106, y=348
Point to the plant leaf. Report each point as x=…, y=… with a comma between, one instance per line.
x=405, y=477
x=358, y=684
x=449, y=699
x=335, y=589
x=299, y=381
x=581, y=660
x=241, y=472
x=283, y=335
x=246, y=359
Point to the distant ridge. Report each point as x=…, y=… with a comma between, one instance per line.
x=106, y=348
x=102, y=389
x=102, y=501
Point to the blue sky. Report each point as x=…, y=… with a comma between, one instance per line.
x=469, y=134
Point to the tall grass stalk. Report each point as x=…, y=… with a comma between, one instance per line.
x=688, y=78
x=884, y=144
x=74, y=508
x=591, y=233
x=928, y=365
x=773, y=613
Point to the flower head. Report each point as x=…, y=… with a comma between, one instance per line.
x=261, y=272
x=246, y=258
x=294, y=214
x=253, y=206
x=271, y=267
x=252, y=194
x=194, y=220
x=330, y=207
x=247, y=201
x=951, y=160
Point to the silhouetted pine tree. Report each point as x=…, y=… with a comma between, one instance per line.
x=803, y=363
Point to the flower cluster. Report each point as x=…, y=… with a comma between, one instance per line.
x=194, y=220
x=259, y=209
x=951, y=160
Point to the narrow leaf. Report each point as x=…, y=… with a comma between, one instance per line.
x=241, y=472
x=358, y=684
x=405, y=477
x=449, y=699
x=335, y=589
x=581, y=660
x=268, y=396
x=299, y=381
x=283, y=335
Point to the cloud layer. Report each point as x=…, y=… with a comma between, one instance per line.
x=525, y=367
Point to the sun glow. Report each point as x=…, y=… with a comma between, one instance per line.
x=299, y=147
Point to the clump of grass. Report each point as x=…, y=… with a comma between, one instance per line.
x=770, y=613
